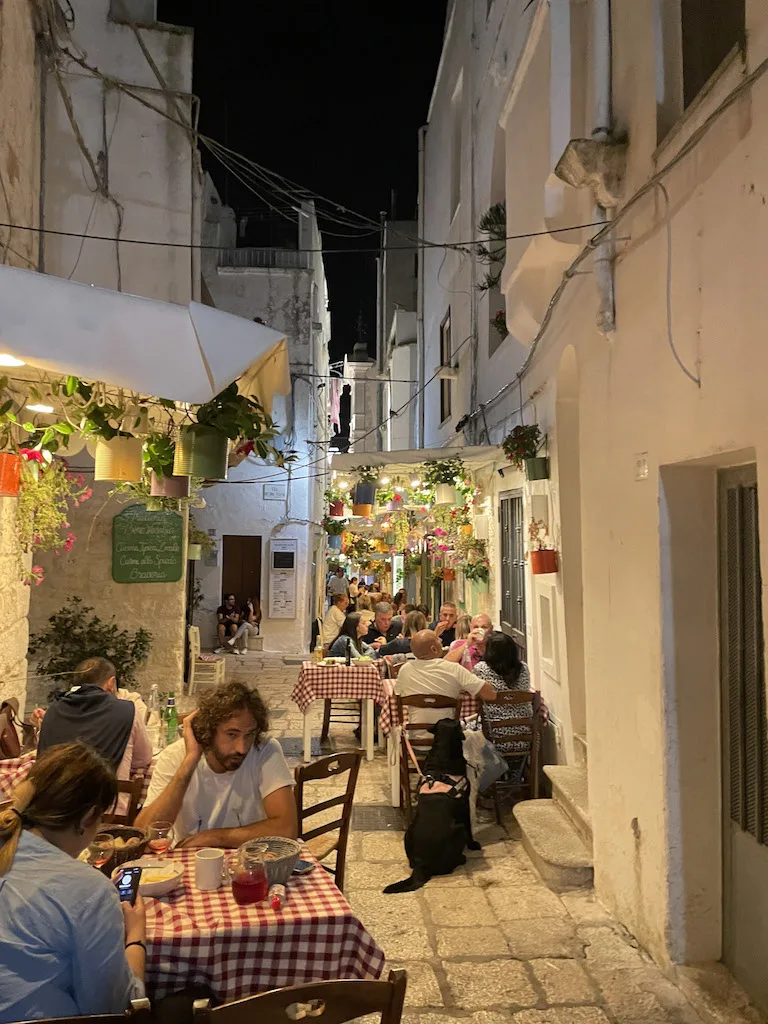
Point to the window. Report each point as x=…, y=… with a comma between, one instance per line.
x=446, y=355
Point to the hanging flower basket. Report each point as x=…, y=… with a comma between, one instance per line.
x=194, y=552
x=364, y=494
x=537, y=469
x=449, y=575
x=119, y=459
x=201, y=451
x=361, y=510
x=336, y=509
x=334, y=542
x=10, y=470
x=466, y=531
x=169, y=486
x=543, y=561
x=446, y=494
x=479, y=586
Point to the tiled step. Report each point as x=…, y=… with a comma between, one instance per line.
x=558, y=852
x=570, y=793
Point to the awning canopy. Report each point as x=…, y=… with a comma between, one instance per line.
x=183, y=353
x=474, y=457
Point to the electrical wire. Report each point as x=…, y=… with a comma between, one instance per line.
x=670, y=336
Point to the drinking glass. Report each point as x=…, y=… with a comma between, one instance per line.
x=249, y=875
x=100, y=849
x=160, y=836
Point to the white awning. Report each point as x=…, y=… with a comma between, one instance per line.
x=474, y=457
x=183, y=353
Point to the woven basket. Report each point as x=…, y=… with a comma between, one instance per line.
x=128, y=852
x=287, y=852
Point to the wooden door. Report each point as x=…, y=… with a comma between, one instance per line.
x=512, y=546
x=241, y=567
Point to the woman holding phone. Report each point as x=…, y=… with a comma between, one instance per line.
x=70, y=947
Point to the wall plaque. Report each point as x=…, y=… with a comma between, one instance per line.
x=147, y=547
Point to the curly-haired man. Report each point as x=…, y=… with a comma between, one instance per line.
x=225, y=781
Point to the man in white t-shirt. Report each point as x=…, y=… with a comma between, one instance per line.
x=431, y=673
x=225, y=781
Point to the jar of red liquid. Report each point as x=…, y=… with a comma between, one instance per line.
x=249, y=874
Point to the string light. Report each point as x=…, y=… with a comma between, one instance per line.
x=9, y=360
x=40, y=408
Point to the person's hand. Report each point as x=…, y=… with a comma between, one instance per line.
x=36, y=718
x=192, y=747
x=193, y=842
x=476, y=636
x=441, y=627
x=135, y=918
x=379, y=642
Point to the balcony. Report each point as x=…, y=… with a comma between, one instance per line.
x=264, y=259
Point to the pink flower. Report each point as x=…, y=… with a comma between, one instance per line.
x=439, y=532
x=69, y=542
x=88, y=493
x=31, y=455
x=397, y=497
x=65, y=525
x=38, y=574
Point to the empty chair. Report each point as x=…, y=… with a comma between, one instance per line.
x=208, y=668
x=132, y=788
x=319, y=840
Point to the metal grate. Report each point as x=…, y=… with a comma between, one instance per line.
x=376, y=818
x=294, y=747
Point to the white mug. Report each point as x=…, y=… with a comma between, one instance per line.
x=209, y=869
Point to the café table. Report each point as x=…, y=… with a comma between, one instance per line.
x=14, y=770
x=196, y=937
x=338, y=682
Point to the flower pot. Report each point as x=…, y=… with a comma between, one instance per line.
x=479, y=586
x=336, y=509
x=481, y=527
x=364, y=494
x=446, y=494
x=449, y=575
x=466, y=530
x=10, y=469
x=194, y=552
x=543, y=561
x=119, y=459
x=169, y=486
x=361, y=510
x=201, y=451
x=334, y=542
x=537, y=469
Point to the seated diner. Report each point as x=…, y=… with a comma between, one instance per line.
x=415, y=622
x=352, y=634
x=502, y=668
x=334, y=618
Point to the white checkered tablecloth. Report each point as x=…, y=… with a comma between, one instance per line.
x=388, y=720
x=206, y=938
x=337, y=682
x=14, y=770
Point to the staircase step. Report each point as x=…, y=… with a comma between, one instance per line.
x=571, y=793
x=558, y=852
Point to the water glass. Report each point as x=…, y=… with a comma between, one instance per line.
x=160, y=834
x=100, y=849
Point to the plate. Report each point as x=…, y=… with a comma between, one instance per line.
x=160, y=887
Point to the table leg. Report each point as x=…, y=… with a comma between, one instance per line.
x=393, y=761
x=307, y=735
x=368, y=728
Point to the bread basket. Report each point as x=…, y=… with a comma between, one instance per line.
x=121, y=856
x=280, y=857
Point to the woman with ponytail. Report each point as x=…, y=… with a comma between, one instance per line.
x=69, y=947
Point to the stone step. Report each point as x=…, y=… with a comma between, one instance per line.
x=580, y=749
x=570, y=793
x=558, y=852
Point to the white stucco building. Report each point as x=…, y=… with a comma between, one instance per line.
x=260, y=507
x=643, y=366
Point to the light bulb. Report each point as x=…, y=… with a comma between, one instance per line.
x=344, y=485
x=40, y=408
x=415, y=483
x=8, y=360
x=384, y=480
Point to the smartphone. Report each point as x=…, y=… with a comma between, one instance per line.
x=127, y=883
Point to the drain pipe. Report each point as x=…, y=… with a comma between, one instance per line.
x=420, y=340
x=603, y=114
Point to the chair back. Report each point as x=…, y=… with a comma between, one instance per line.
x=322, y=769
x=527, y=729
x=139, y=1013
x=194, y=642
x=328, y=1002
x=421, y=702
x=133, y=788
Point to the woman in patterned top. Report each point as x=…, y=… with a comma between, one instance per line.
x=503, y=669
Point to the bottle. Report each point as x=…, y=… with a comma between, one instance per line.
x=276, y=896
x=348, y=656
x=154, y=706
x=172, y=718
x=318, y=653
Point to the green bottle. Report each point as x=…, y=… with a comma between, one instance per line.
x=171, y=718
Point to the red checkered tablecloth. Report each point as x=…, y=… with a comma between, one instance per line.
x=206, y=938
x=388, y=720
x=337, y=682
x=14, y=770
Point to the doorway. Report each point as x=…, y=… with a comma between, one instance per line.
x=512, y=545
x=744, y=734
x=241, y=567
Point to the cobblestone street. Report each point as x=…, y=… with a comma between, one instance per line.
x=489, y=943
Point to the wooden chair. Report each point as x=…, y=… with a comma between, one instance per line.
x=421, y=701
x=317, y=839
x=139, y=1013
x=330, y=1002
x=202, y=671
x=133, y=788
x=529, y=739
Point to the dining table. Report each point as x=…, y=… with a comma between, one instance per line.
x=339, y=682
x=206, y=938
x=14, y=770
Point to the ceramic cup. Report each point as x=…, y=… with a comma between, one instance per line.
x=209, y=869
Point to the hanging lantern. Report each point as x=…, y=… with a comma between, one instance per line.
x=169, y=486
x=10, y=470
x=194, y=552
x=201, y=451
x=118, y=459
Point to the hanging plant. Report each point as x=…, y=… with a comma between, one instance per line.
x=494, y=224
x=478, y=571
x=522, y=443
x=334, y=527
x=444, y=471
x=401, y=528
x=500, y=323
x=199, y=538
x=366, y=474
x=437, y=577
x=358, y=547
x=411, y=563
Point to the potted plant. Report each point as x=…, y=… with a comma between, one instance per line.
x=443, y=475
x=543, y=557
x=411, y=563
x=117, y=452
x=449, y=574
x=335, y=498
x=478, y=574
x=158, y=454
x=199, y=543
x=334, y=528
x=500, y=323
x=437, y=576
x=364, y=493
x=521, y=446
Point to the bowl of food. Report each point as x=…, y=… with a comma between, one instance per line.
x=129, y=844
x=158, y=877
x=362, y=661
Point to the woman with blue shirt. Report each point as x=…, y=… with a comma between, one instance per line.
x=69, y=946
x=351, y=635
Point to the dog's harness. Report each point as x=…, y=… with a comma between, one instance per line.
x=451, y=785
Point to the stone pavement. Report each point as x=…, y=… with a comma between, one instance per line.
x=490, y=944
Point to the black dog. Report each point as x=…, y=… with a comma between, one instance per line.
x=441, y=829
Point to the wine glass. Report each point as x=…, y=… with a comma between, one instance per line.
x=100, y=849
x=160, y=836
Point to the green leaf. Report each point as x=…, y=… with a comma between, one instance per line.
x=48, y=436
x=3, y=383
x=11, y=416
x=70, y=385
x=29, y=427
x=6, y=407
x=63, y=428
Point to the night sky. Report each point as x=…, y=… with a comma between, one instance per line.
x=329, y=93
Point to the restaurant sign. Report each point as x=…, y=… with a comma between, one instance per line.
x=147, y=547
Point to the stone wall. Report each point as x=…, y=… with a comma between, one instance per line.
x=86, y=572
x=14, y=605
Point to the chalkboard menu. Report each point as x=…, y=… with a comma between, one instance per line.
x=147, y=547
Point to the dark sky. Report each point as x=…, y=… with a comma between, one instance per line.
x=329, y=93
